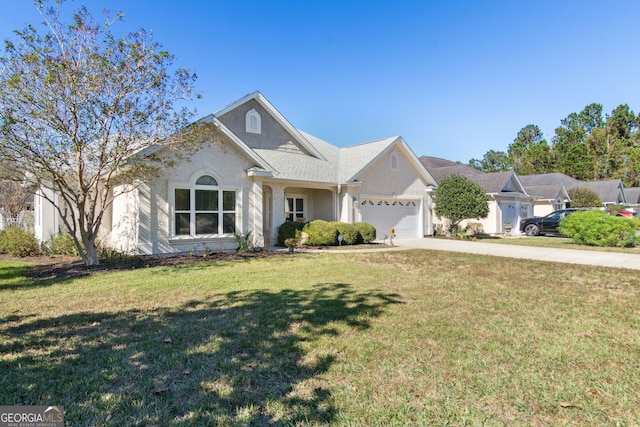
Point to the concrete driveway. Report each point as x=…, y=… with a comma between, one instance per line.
x=571, y=256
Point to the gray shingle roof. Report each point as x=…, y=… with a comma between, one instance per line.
x=492, y=182
x=341, y=164
x=609, y=191
x=356, y=157
x=549, y=191
x=548, y=178
x=441, y=168
x=633, y=194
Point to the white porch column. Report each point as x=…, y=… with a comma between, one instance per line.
x=428, y=207
x=256, y=208
x=277, y=214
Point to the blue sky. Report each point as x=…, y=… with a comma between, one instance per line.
x=454, y=78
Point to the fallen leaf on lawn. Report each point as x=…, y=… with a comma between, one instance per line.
x=591, y=393
x=168, y=340
x=160, y=390
x=186, y=371
x=567, y=405
x=536, y=423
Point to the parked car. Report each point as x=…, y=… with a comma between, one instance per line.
x=545, y=224
x=627, y=214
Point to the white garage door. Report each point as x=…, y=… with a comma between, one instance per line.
x=403, y=215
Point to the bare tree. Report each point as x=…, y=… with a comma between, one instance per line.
x=82, y=111
x=15, y=194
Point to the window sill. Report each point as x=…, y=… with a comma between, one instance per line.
x=201, y=239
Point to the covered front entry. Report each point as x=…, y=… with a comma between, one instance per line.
x=509, y=214
x=385, y=214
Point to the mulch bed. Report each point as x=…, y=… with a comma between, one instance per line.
x=48, y=268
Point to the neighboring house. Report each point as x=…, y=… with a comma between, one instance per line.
x=633, y=198
x=507, y=198
x=610, y=192
x=261, y=171
x=46, y=219
x=547, y=198
x=550, y=190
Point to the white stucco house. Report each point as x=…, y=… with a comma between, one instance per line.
x=260, y=171
x=507, y=197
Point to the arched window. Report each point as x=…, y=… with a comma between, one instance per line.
x=393, y=162
x=253, y=121
x=206, y=180
x=204, y=209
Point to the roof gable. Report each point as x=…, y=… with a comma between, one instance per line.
x=633, y=195
x=354, y=160
x=499, y=182
x=277, y=133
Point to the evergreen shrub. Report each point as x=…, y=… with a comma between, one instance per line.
x=17, y=242
x=349, y=233
x=596, y=228
x=61, y=244
x=366, y=232
x=321, y=233
x=288, y=231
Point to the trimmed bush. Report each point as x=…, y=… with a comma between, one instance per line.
x=596, y=228
x=61, y=244
x=349, y=233
x=17, y=242
x=366, y=232
x=321, y=233
x=582, y=197
x=324, y=233
x=288, y=231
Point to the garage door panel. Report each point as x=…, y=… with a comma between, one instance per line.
x=402, y=215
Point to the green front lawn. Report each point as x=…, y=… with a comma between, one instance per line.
x=555, y=242
x=359, y=339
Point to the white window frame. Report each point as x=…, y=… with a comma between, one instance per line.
x=295, y=212
x=253, y=122
x=192, y=187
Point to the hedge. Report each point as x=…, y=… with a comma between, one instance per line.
x=366, y=232
x=288, y=231
x=349, y=233
x=17, y=242
x=596, y=228
x=321, y=233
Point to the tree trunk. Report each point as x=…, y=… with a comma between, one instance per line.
x=90, y=253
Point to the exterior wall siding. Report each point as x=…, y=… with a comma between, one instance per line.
x=272, y=137
x=47, y=221
x=228, y=165
x=381, y=181
x=124, y=221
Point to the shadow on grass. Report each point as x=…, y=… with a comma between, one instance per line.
x=244, y=358
x=11, y=274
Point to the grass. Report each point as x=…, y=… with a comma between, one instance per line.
x=556, y=242
x=353, y=339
